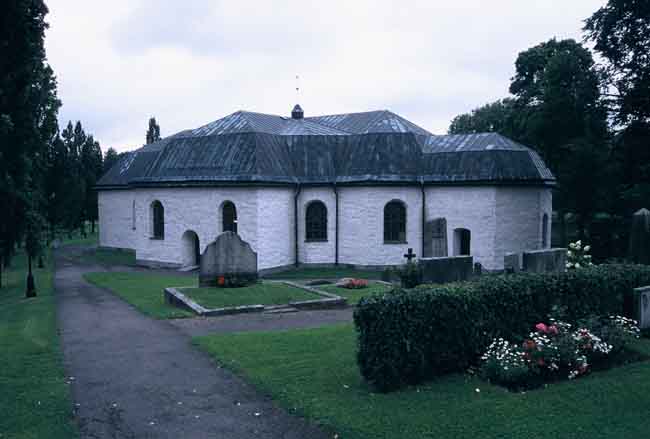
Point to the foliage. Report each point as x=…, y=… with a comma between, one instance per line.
x=556, y=350
x=406, y=337
x=410, y=275
x=353, y=296
x=498, y=116
x=110, y=158
x=153, y=132
x=312, y=372
x=578, y=256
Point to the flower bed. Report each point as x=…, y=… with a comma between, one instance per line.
x=555, y=351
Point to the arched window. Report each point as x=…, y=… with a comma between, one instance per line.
x=316, y=222
x=229, y=217
x=158, y=217
x=462, y=242
x=395, y=222
x=545, y=231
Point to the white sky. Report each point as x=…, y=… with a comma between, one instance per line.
x=190, y=62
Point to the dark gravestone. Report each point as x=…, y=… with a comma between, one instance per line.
x=512, y=262
x=228, y=260
x=640, y=237
x=449, y=269
x=642, y=307
x=545, y=261
x=435, y=238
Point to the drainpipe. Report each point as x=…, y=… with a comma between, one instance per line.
x=336, y=222
x=424, y=213
x=295, y=220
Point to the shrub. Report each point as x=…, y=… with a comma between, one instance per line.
x=410, y=275
x=406, y=337
x=578, y=256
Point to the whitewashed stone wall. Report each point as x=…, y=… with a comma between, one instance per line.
x=471, y=208
x=520, y=212
x=317, y=252
x=361, y=224
x=116, y=219
x=275, y=245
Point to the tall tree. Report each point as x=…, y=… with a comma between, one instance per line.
x=92, y=167
x=560, y=112
x=28, y=108
x=153, y=133
x=621, y=33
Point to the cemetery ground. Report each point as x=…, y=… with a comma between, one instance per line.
x=34, y=393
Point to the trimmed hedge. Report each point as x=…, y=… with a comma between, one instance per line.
x=408, y=336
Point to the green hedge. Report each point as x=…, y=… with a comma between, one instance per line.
x=406, y=337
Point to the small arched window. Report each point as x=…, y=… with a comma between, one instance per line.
x=462, y=242
x=229, y=217
x=395, y=222
x=316, y=222
x=158, y=217
x=545, y=231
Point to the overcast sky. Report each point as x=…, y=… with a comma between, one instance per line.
x=190, y=62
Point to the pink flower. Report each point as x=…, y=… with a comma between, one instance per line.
x=541, y=327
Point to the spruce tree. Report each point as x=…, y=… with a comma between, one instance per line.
x=153, y=133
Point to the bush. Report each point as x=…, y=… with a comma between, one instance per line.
x=406, y=337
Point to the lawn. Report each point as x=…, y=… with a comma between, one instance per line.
x=353, y=295
x=325, y=273
x=261, y=293
x=314, y=373
x=34, y=397
x=109, y=256
x=144, y=291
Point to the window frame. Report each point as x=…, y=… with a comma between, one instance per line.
x=233, y=217
x=320, y=222
x=157, y=220
x=390, y=223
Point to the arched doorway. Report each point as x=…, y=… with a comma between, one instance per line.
x=191, y=249
x=462, y=242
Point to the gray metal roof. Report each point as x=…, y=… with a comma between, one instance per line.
x=370, y=147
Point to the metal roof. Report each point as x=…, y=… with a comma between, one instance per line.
x=370, y=147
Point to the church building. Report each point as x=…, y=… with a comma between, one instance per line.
x=355, y=189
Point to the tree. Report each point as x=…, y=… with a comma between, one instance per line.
x=92, y=167
x=561, y=113
x=153, y=133
x=110, y=158
x=28, y=109
x=496, y=117
x=621, y=33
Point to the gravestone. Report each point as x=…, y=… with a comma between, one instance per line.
x=639, y=252
x=435, y=238
x=228, y=259
x=512, y=262
x=642, y=307
x=545, y=261
x=444, y=270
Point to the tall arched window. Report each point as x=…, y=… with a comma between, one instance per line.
x=462, y=242
x=316, y=222
x=229, y=217
x=545, y=231
x=395, y=222
x=158, y=218
x=133, y=215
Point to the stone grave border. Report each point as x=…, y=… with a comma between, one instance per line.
x=175, y=297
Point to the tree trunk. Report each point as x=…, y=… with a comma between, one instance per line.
x=31, y=289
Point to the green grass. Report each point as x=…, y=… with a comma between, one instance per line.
x=34, y=397
x=108, y=256
x=325, y=273
x=75, y=238
x=354, y=296
x=261, y=293
x=144, y=291
x=314, y=373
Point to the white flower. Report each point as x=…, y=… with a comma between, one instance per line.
x=587, y=248
x=577, y=265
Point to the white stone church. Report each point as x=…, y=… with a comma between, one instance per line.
x=353, y=189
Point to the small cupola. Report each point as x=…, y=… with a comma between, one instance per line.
x=297, y=112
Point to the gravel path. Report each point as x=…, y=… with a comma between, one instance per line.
x=136, y=377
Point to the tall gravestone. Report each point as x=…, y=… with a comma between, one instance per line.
x=228, y=261
x=435, y=238
x=642, y=307
x=639, y=252
x=545, y=261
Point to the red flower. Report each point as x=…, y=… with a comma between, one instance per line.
x=529, y=345
x=221, y=280
x=541, y=327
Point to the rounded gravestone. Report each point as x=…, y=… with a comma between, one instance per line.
x=640, y=237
